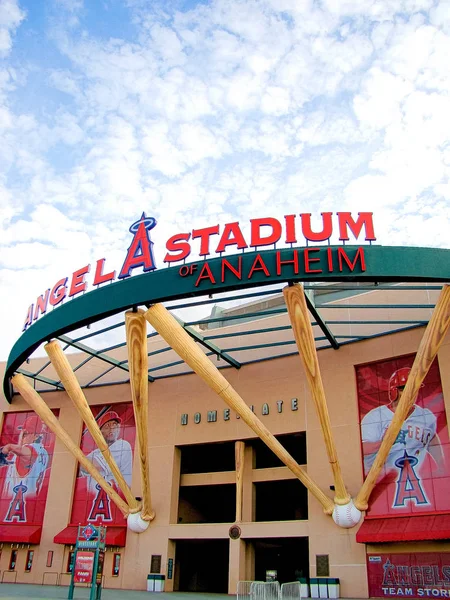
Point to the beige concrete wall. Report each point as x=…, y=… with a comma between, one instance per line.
x=265, y=382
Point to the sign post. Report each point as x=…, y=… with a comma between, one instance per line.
x=89, y=559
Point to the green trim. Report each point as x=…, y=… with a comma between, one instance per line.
x=48, y=363
x=266, y=345
x=381, y=322
x=41, y=378
x=96, y=354
x=160, y=351
x=122, y=344
x=225, y=299
x=248, y=315
x=100, y=376
x=383, y=265
x=376, y=306
x=166, y=366
x=219, y=336
x=309, y=297
x=352, y=340
x=82, y=363
x=210, y=346
x=100, y=331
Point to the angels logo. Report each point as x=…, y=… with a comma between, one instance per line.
x=140, y=252
x=389, y=573
x=101, y=508
x=16, y=510
x=408, y=484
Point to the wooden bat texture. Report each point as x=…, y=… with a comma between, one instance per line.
x=136, y=330
x=239, y=448
x=75, y=393
x=173, y=333
x=432, y=339
x=301, y=326
x=42, y=410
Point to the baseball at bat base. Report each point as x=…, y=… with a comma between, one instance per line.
x=136, y=523
x=346, y=515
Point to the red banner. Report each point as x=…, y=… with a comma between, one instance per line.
x=84, y=567
x=26, y=451
x=419, y=575
x=416, y=475
x=90, y=502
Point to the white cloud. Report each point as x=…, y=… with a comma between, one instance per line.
x=275, y=101
x=230, y=110
x=379, y=103
x=439, y=15
x=10, y=18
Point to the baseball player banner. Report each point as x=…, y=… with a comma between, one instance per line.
x=90, y=502
x=26, y=451
x=418, y=575
x=416, y=475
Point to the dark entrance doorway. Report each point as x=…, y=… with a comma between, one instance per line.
x=202, y=566
x=289, y=557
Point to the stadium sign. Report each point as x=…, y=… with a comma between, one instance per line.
x=252, y=266
x=263, y=232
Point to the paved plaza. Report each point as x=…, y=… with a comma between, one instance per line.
x=8, y=591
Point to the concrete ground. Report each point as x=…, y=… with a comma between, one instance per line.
x=10, y=591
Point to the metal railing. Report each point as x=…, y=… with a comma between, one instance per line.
x=52, y=573
x=260, y=590
x=291, y=591
x=6, y=573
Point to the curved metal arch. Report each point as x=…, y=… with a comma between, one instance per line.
x=382, y=264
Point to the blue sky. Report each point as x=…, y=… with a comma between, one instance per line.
x=201, y=113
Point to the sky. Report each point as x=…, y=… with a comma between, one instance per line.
x=209, y=112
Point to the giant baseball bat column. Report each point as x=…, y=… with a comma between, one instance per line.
x=42, y=410
x=136, y=329
x=174, y=334
x=239, y=449
x=303, y=333
x=429, y=346
x=75, y=393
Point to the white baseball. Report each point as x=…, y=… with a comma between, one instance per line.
x=346, y=515
x=136, y=523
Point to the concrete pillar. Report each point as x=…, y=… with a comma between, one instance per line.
x=236, y=565
x=171, y=548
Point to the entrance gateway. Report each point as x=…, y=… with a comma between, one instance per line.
x=256, y=511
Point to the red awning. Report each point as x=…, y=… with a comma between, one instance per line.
x=404, y=529
x=25, y=534
x=115, y=536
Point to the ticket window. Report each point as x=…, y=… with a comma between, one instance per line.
x=13, y=560
x=116, y=565
x=29, y=562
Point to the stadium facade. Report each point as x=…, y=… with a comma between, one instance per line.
x=222, y=506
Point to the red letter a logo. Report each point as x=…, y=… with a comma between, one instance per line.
x=140, y=253
x=101, y=506
x=408, y=484
x=16, y=511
